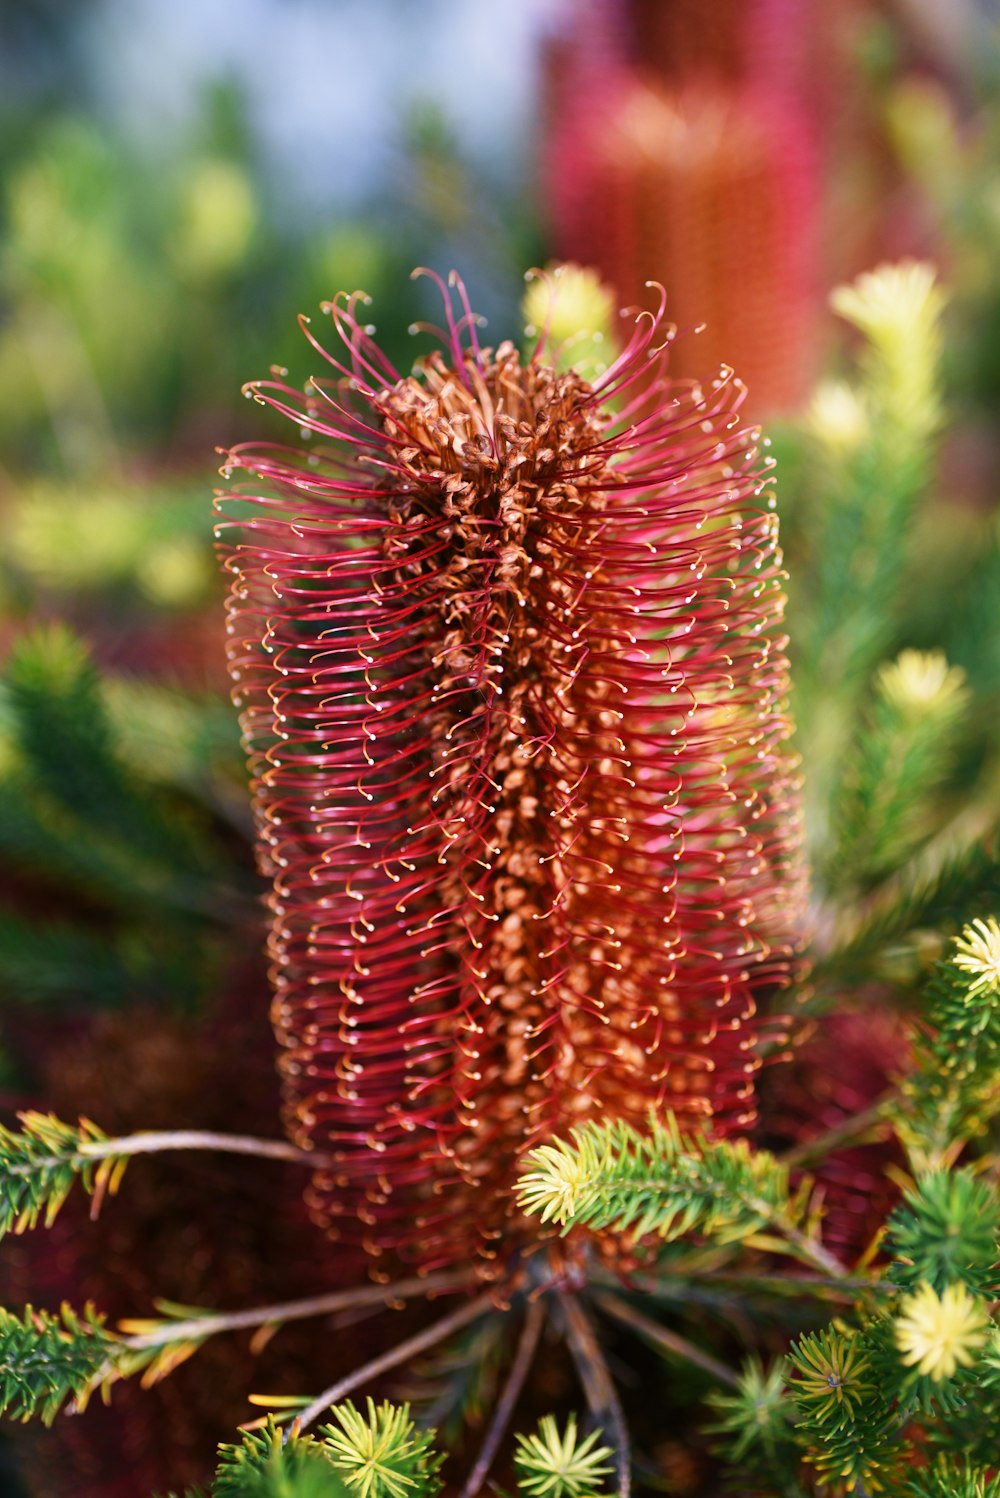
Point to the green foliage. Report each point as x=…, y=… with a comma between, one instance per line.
x=49, y=961
x=754, y=1426
x=149, y=549
x=554, y=1465
x=81, y=813
x=947, y=1232
x=62, y=731
x=833, y=1374
x=927, y=894
x=870, y=441
x=899, y=758
x=875, y=755
x=46, y=1360
x=267, y=1464
x=611, y=1176
x=956, y=1077
x=844, y=1406
x=39, y=1164
x=382, y=1455
x=174, y=739
x=953, y=1478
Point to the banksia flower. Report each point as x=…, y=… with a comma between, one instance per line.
x=507, y=649
x=713, y=190
x=772, y=41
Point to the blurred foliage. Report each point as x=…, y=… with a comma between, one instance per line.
x=121, y=882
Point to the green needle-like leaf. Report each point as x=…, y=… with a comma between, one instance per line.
x=39, y=1165
x=46, y=1360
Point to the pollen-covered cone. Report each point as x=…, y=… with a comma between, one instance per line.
x=506, y=645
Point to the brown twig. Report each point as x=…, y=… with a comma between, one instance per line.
x=209, y=1325
x=418, y=1343
x=519, y=1369
x=154, y=1141
x=671, y=1342
x=598, y=1386
x=847, y=1132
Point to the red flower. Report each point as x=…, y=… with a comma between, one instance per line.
x=507, y=650
x=714, y=190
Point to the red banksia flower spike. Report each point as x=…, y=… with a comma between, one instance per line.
x=513, y=692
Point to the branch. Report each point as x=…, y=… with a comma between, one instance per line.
x=39, y=1164
x=612, y=1177
x=523, y=1358
x=418, y=1343
x=602, y=1397
x=671, y=1342
x=210, y=1323
x=155, y=1347
x=851, y=1131
x=151, y=1142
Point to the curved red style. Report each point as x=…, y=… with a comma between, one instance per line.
x=507, y=650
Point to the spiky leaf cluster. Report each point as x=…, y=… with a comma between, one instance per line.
x=46, y=1360
x=39, y=1164
x=610, y=1176
x=753, y=1426
x=554, y=1464
x=382, y=1454
x=954, y=1478
x=947, y=1232
x=844, y=1405
x=379, y=1454
x=956, y=1079
x=871, y=438
x=902, y=750
x=267, y=1463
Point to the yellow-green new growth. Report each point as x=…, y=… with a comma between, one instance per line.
x=611, y=1177
x=977, y=952
x=937, y=1334
x=558, y=1183
x=39, y=1165
x=550, y=1465
x=383, y=1455
x=898, y=309
x=838, y=417
x=922, y=684
x=578, y=310
x=831, y=1370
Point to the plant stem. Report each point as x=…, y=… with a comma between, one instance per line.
x=418, y=1343
x=715, y=1287
x=203, y=1327
x=598, y=1386
x=520, y=1367
x=671, y=1342
x=811, y=1251
x=843, y=1133
x=155, y=1141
